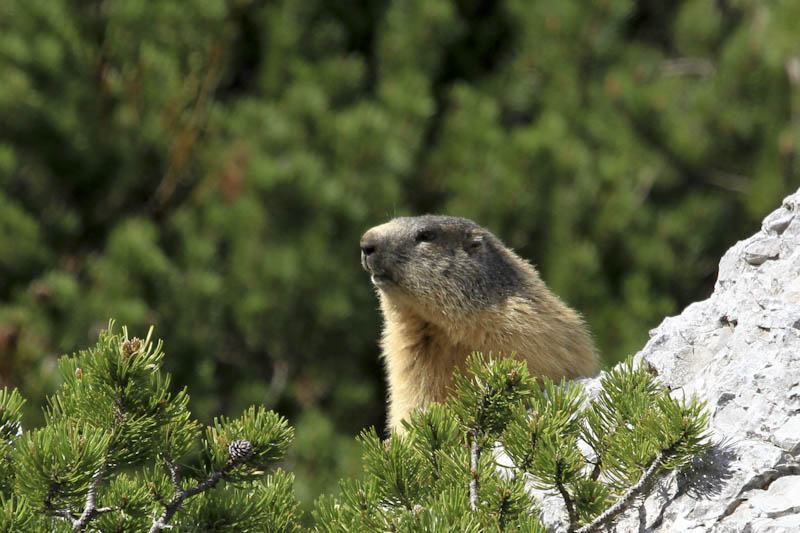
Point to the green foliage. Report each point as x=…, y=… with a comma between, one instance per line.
x=10, y=426
x=444, y=473
x=103, y=387
x=268, y=433
x=209, y=166
x=553, y=426
x=633, y=418
x=15, y=514
x=266, y=505
x=55, y=464
x=320, y=457
x=116, y=454
x=134, y=498
x=487, y=395
x=118, y=449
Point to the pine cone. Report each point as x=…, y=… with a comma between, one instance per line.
x=240, y=450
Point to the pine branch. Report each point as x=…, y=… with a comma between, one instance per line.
x=174, y=474
x=626, y=498
x=597, y=469
x=177, y=500
x=238, y=456
x=66, y=514
x=573, y=516
x=79, y=523
x=91, y=510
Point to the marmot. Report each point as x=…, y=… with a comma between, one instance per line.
x=448, y=287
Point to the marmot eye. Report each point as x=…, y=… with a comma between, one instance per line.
x=426, y=236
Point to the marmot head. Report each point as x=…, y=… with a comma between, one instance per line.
x=443, y=265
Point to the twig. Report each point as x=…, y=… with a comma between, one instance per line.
x=174, y=474
x=475, y=455
x=503, y=510
x=597, y=469
x=91, y=510
x=66, y=514
x=626, y=498
x=573, y=517
x=182, y=494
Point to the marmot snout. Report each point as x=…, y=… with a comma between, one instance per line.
x=449, y=287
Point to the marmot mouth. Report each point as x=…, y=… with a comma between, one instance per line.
x=381, y=280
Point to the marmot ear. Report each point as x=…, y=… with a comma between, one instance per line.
x=474, y=241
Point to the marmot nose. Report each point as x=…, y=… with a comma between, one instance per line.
x=367, y=249
x=368, y=245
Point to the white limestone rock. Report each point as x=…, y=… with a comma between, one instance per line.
x=740, y=351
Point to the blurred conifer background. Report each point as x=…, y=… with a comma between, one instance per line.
x=208, y=166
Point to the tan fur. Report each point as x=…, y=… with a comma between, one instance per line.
x=435, y=317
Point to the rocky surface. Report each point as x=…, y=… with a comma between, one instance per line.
x=740, y=351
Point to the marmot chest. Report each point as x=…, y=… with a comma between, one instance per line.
x=420, y=356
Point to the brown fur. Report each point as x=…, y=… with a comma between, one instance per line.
x=447, y=288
